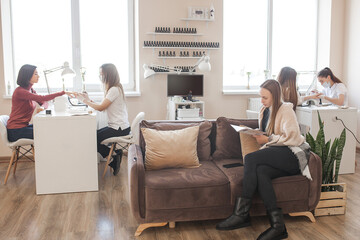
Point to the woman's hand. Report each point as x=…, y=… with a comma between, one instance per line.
x=83, y=97
x=79, y=97
x=261, y=139
x=39, y=109
x=315, y=96
x=318, y=96
x=71, y=94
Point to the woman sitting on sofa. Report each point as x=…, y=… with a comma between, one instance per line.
x=284, y=152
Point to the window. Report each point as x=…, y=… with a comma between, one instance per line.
x=262, y=36
x=245, y=41
x=84, y=33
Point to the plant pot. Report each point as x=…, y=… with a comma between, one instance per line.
x=332, y=202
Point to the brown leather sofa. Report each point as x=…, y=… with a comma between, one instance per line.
x=164, y=196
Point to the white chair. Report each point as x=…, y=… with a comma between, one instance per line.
x=15, y=146
x=124, y=141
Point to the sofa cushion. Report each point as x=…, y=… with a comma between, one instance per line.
x=227, y=139
x=205, y=186
x=171, y=149
x=203, y=142
x=287, y=188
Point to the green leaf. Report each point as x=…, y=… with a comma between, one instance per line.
x=326, y=149
x=321, y=123
x=330, y=162
x=339, y=153
x=310, y=140
x=318, y=151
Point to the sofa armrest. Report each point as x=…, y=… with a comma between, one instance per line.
x=136, y=180
x=315, y=185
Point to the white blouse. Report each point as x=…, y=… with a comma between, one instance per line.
x=335, y=91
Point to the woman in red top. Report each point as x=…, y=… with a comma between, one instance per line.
x=23, y=104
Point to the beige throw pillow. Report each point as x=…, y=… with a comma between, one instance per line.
x=203, y=142
x=248, y=144
x=171, y=149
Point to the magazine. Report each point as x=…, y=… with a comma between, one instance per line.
x=248, y=130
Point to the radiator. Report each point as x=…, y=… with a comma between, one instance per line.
x=254, y=106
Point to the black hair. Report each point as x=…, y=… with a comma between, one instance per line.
x=25, y=74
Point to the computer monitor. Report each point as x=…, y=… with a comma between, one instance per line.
x=181, y=85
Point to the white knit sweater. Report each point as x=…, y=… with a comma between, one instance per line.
x=286, y=128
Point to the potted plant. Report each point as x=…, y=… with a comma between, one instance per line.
x=333, y=194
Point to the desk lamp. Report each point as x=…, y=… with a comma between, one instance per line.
x=148, y=71
x=203, y=64
x=67, y=72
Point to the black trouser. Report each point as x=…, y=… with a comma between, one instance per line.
x=108, y=132
x=264, y=165
x=16, y=134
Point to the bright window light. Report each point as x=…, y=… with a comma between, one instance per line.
x=262, y=36
x=245, y=41
x=294, y=37
x=104, y=37
x=42, y=37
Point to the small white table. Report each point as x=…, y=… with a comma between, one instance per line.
x=65, y=153
x=173, y=112
x=307, y=116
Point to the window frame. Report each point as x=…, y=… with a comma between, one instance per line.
x=242, y=89
x=131, y=89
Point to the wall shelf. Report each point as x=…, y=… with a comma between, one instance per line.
x=189, y=73
x=176, y=34
x=179, y=57
x=197, y=19
x=164, y=46
x=183, y=48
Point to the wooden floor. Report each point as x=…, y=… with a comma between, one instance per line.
x=106, y=215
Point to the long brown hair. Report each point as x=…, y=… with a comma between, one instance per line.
x=111, y=78
x=287, y=80
x=273, y=87
x=327, y=72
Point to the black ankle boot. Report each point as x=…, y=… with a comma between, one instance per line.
x=117, y=159
x=240, y=217
x=277, y=230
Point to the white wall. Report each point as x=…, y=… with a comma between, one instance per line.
x=337, y=37
x=352, y=54
x=331, y=35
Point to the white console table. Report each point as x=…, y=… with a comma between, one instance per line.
x=172, y=109
x=308, y=120
x=65, y=153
